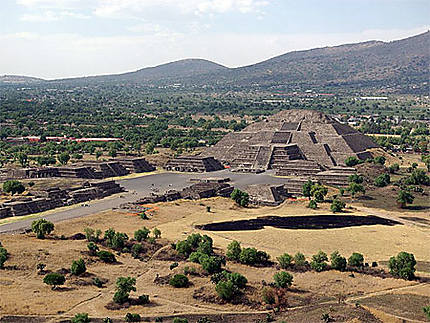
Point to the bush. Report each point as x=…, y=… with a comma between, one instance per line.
x=132, y=317
x=184, y=248
x=356, y=260
x=195, y=256
x=352, y=161
x=78, y=267
x=337, y=261
x=379, y=160
x=179, y=320
x=92, y=235
x=194, y=239
x=54, y=279
x=211, y=264
x=313, y=205
x=306, y=189
x=205, y=247
x=426, y=310
x=42, y=227
x=237, y=279
x=318, y=262
x=13, y=187
x=190, y=270
x=226, y=289
x=248, y=256
x=382, y=180
x=319, y=192
x=124, y=285
x=404, y=197
x=156, y=233
x=418, y=177
x=241, y=198
x=355, y=188
x=143, y=299
x=179, y=281
x=355, y=178
x=403, y=265
x=268, y=295
x=136, y=249
x=97, y=282
x=118, y=240
x=92, y=248
x=233, y=251
x=106, y=256
x=394, y=168
x=3, y=256
x=299, y=259
x=81, y=318
x=173, y=265
x=283, y=279
x=285, y=260
x=141, y=234
x=337, y=205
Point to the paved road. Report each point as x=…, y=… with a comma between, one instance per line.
x=139, y=187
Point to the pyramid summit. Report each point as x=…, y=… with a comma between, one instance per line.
x=292, y=139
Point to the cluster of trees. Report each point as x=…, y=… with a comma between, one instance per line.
x=240, y=197
x=247, y=256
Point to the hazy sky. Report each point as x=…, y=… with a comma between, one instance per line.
x=63, y=38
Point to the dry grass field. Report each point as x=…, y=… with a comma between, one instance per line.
x=24, y=294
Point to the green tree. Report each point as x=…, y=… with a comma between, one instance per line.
x=156, y=233
x=355, y=188
x=22, y=159
x=319, y=261
x=404, y=197
x=337, y=205
x=42, y=227
x=426, y=310
x=355, y=178
x=226, y=289
x=184, y=248
x=78, y=267
x=63, y=158
x=179, y=281
x=313, y=205
x=92, y=248
x=403, y=265
x=319, y=192
x=54, y=279
x=124, y=285
x=356, y=260
x=233, y=250
x=13, y=187
x=241, y=198
x=379, y=160
x=337, y=261
x=351, y=161
x=382, y=180
x=141, y=234
x=3, y=256
x=106, y=256
x=306, y=189
x=285, y=260
x=81, y=318
x=283, y=279
x=299, y=259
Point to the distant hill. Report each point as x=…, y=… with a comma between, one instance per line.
x=399, y=66
x=18, y=79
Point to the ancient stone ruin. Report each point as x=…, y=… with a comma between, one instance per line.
x=87, y=169
x=195, y=164
x=267, y=194
x=293, y=142
x=52, y=198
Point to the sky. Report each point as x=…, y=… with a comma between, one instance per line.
x=67, y=38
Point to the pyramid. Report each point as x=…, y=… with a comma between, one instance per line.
x=294, y=142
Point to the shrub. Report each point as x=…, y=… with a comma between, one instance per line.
x=233, y=250
x=205, y=247
x=132, y=317
x=81, y=318
x=136, y=249
x=194, y=239
x=190, y=270
x=283, y=279
x=184, y=248
x=426, y=310
x=106, y=256
x=226, y=289
x=237, y=279
x=306, y=189
x=355, y=178
x=97, y=282
x=318, y=262
x=92, y=235
x=337, y=205
x=299, y=259
x=337, y=261
x=195, y=256
x=92, y=248
x=3, y=256
x=54, y=279
x=351, y=161
x=356, y=260
x=13, y=187
x=156, y=233
x=143, y=299
x=118, y=240
x=78, y=267
x=248, y=256
x=379, y=160
x=285, y=260
x=173, y=265
x=211, y=264
x=319, y=192
x=179, y=281
x=418, y=177
x=179, y=320
x=42, y=227
x=241, y=198
x=404, y=197
x=124, y=285
x=394, y=168
x=141, y=234
x=382, y=180
x=403, y=265
x=268, y=295
x=355, y=188
x=313, y=205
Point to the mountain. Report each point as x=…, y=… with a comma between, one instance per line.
x=400, y=66
x=18, y=79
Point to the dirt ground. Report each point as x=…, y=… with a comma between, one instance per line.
x=24, y=294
